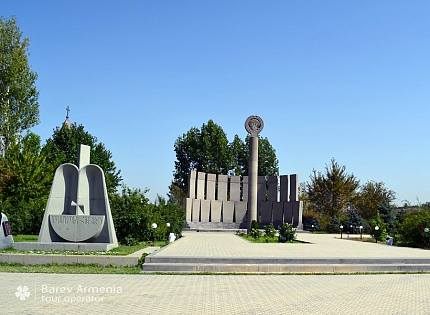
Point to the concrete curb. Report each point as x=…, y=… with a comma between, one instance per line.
x=108, y=260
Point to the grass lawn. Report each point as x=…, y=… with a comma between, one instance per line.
x=71, y=269
x=122, y=250
x=25, y=238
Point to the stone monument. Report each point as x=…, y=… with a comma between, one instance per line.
x=77, y=215
x=6, y=239
x=253, y=125
x=225, y=202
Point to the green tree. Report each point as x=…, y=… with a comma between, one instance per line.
x=63, y=147
x=239, y=157
x=205, y=149
x=373, y=196
x=25, y=181
x=19, y=107
x=268, y=163
x=332, y=191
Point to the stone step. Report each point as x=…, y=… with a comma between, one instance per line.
x=213, y=226
x=282, y=268
x=283, y=261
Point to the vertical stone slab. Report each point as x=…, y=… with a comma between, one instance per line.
x=201, y=182
x=278, y=214
x=288, y=212
x=265, y=212
x=240, y=209
x=222, y=187
x=284, y=188
x=295, y=205
x=245, y=188
x=235, y=188
x=84, y=155
x=210, y=186
x=294, y=187
x=188, y=209
x=261, y=188
x=272, y=188
x=227, y=211
x=196, y=210
x=205, y=208
x=216, y=207
x=192, y=185
x=300, y=222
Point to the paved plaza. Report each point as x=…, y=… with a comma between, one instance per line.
x=146, y=294
x=217, y=244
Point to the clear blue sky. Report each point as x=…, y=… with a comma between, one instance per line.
x=342, y=79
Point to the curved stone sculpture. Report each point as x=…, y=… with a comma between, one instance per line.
x=78, y=206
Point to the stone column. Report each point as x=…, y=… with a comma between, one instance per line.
x=253, y=125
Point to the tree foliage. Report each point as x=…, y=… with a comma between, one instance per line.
x=332, y=191
x=208, y=150
x=63, y=147
x=19, y=107
x=373, y=196
x=25, y=181
x=133, y=217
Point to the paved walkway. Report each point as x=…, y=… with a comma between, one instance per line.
x=144, y=294
x=323, y=245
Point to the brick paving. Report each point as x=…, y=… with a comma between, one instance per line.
x=217, y=244
x=271, y=294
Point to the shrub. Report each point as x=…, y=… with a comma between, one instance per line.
x=254, y=225
x=287, y=233
x=334, y=225
x=133, y=217
x=412, y=231
x=381, y=233
x=311, y=218
x=353, y=219
x=269, y=231
x=255, y=234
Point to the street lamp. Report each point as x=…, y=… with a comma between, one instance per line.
x=361, y=232
x=341, y=230
x=313, y=227
x=376, y=231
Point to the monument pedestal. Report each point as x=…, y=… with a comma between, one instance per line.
x=62, y=246
x=6, y=239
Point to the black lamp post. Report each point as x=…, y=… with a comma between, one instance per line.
x=376, y=233
x=341, y=231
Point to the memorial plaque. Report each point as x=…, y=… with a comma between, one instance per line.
x=272, y=188
x=216, y=207
x=261, y=188
x=235, y=188
x=222, y=187
x=7, y=228
x=278, y=214
x=188, y=209
x=205, y=207
x=192, y=185
x=245, y=188
x=240, y=208
x=227, y=211
x=284, y=188
x=265, y=212
x=201, y=181
x=196, y=210
x=210, y=186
